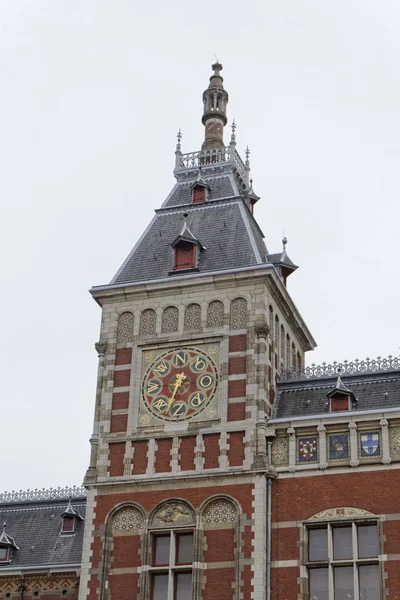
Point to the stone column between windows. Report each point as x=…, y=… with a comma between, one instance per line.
x=292, y=448
x=354, y=462
x=386, y=460
x=322, y=447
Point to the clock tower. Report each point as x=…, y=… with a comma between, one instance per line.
x=197, y=326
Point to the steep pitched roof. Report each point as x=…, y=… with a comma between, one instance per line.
x=36, y=527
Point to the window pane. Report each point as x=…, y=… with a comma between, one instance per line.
x=184, y=548
x=342, y=543
x=160, y=587
x=367, y=541
x=344, y=588
x=369, y=582
x=318, y=544
x=183, y=586
x=319, y=587
x=161, y=555
x=3, y=553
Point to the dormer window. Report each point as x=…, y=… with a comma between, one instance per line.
x=339, y=403
x=185, y=254
x=70, y=518
x=340, y=397
x=68, y=525
x=199, y=194
x=4, y=555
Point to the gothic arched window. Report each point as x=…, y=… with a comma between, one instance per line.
x=170, y=319
x=271, y=322
x=293, y=357
x=298, y=361
x=282, y=347
x=215, y=314
x=125, y=328
x=287, y=363
x=192, y=317
x=148, y=320
x=276, y=334
x=238, y=314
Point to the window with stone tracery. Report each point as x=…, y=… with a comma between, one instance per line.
x=125, y=328
x=148, y=320
x=192, y=317
x=215, y=314
x=170, y=319
x=238, y=314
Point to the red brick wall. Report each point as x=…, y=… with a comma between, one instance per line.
x=236, y=411
x=123, y=586
x=211, y=450
x=122, y=378
x=118, y=423
x=123, y=356
x=163, y=456
x=237, y=387
x=236, y=449
x=139, y=459
x=120, y=400
x=116, y=458
x=187, y=453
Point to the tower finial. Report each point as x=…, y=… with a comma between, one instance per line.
x=233, y=135
x=247, y=163
x=178, y=150
x=284, y=242
x=215, y=99
x=179, y=137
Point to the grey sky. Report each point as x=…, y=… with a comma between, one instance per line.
x=92, y=94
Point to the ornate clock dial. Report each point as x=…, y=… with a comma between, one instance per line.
x=179, y=384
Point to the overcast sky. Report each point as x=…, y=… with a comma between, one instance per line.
x=92, y=93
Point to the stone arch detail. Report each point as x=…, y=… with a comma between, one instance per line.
x=238, y=313
x=173, y=513
x=215, y=314
x=127, y=519
x=170, y=319
x=220, y=512
x=125, y=328
x=341, y=513
x=192, y=318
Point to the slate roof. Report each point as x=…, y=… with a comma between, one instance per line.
x=223, y=186
x=36, y=528
x=309, y=397
x=226, y=228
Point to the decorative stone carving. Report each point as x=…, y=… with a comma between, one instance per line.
x=173, y=513
x=280, y=452
x=148, y=321
x=192, y=317
x=220, y=512
x=238, y=314
x=395, y=441
x=262, y=330
x=340, y=513
x=125, y=328
x=170, y=319
x=128, y=519
x=101, y=348
x=215, y=314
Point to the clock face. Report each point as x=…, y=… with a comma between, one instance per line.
x=179, y=384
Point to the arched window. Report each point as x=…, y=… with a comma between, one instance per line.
x=276, y=334
x=170, y=319
x=125, y=328
x=298, y=361
x=172, y=551
x=287, y=363
x=282, y=347
x=192, y=317
x=238, y=314
x=215, y=314
x=148, y=320
x=293, y=357
x=271, y=322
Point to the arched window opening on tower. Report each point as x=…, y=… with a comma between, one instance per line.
x=199, y=194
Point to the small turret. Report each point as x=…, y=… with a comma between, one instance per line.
x=215, y=99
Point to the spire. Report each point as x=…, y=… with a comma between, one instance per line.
x=215, y=99
x=178, y=150
x=233, y=135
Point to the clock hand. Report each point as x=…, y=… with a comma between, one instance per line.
x=179, y=380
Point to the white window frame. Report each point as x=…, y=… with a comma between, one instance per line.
x=172, y=568
x=354, y=562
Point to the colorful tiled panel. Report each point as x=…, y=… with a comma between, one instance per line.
x=370, y=444
x=308, y=449
x=338, y=446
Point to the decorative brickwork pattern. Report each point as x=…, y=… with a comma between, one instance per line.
x=148, y=320
x=280, y=452
x=127, y=519
x=238, y=314
x=170, y=319
x=215, y=314
x=192, y=317
x=220, y=512
x=125, y=328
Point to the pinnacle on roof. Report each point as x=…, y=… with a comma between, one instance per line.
x=282, y=262
x=215, y=100
x=70, y=511
x=340, y=388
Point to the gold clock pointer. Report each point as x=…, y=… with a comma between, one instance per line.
x=180, y=378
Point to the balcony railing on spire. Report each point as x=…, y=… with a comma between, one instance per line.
x=227, y=154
